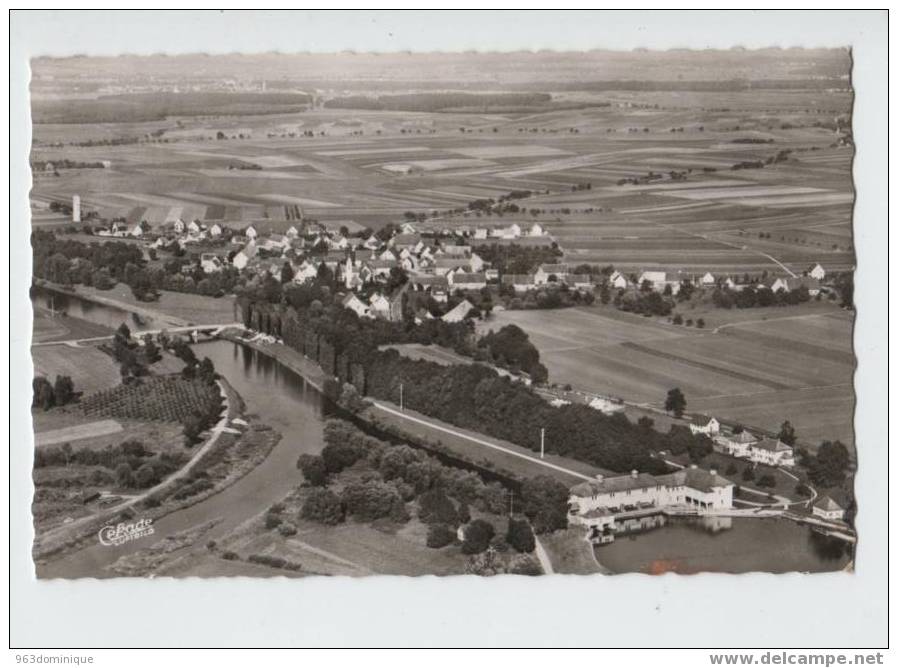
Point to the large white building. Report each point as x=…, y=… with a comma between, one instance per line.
x=605, y=505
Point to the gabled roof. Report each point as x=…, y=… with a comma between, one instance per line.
x=615, y=484
x=742, y=437
x=517, y=279
x=826, y=503
x=458, y=313
x=696, y=478
x=772, y=445
x=469, y=278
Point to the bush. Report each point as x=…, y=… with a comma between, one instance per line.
x=477, y=537
x=370, y=500
x=520, y=535
x=767, y=480
x=523, y=564
x=434, y=507
x=440, y=535
x=748, y=474
x=322, y=505
x=273, y=520
x=313, y=469
x=287, y=529
x=230, y=556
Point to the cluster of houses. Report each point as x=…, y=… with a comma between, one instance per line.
x=661, y=280
x=607, y=506
x=744, y=445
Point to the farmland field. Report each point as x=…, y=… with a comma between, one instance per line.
x=791, y=364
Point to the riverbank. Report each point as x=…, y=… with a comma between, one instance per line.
x=298, y=363
x=232, y=448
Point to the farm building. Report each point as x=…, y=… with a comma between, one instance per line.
x=816, y=272
x=459, y=313
x=618, y=280
x=462, y=280
x=660, y=280
x=705, y=425
x=545, y=272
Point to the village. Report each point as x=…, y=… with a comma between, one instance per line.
x=404, y=270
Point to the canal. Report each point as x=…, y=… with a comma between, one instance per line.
x=282, y=399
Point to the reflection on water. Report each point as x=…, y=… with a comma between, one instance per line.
x=281, y=397
x=726, y=545
x=77, y=307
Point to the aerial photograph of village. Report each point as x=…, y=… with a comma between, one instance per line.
x=443, y=314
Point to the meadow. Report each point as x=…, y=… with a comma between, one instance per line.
x=791, y=364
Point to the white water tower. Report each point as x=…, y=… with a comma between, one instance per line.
x=76, y=209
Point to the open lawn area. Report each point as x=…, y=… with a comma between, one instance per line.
x=460, y=443
x=49, y=327
x=91, y=369
x=570, y=552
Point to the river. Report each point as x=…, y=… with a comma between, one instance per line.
x=281, y=399
x=76, y=306
x=286, y=402
x=727, y=545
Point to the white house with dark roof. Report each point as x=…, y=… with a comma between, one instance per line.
x=606, y=505
x=771, y=451
x=356, y=305
x=817, y=272
x=659, y=280
x=618, y=280
x=544, y=273
x=735, y=444
x=704, y=425
x=245, y=255
x=828, y=509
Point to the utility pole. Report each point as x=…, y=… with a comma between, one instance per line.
x=542, y=443
x=511, y=503
x=401, y=398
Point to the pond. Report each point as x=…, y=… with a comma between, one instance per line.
x=727, y=545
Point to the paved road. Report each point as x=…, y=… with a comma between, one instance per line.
x=481, y=441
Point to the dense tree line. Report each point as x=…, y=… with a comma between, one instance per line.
x=752, y=296
x=511, y=347
x=438, y=101
x=129, y=464
x=102, y=265
x=517, y=259
x=470, y=396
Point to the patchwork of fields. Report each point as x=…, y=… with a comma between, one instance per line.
x=688, y=209
x=372, y=166
x=791, y=364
